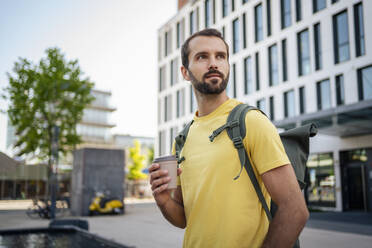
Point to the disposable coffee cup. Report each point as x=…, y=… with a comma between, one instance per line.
x=169, y=163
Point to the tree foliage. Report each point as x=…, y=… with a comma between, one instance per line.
x=43, y=95
x=137, y=162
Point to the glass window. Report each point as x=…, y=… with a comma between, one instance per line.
x=236, y=36
x=166, y=46
x=180, y=32
x=323, y=94
x=284, y=60
x=178, y=28
x=225, y=8
x=208, y=13
x=273, y=66
x=298, y=10
x=257, y=58
x=248, y=72
x=359, y=29
x=261, y=104
x=258, y=23
x=234, y=80
x=289, y=104
x=174, y=71
x=244, y=32
x=303, y=50
x=168, y=108
x=302, y=99
x=341, y=37
x=159, y=48
x=317, y=47
x=192, y=22
x=268, y=10
x=320, y=179
x=192, y=100
x=244, y=1
x=223, y=32
x=340, y=93
x=272, y=114
x=319, y=5
x=335, y=1
x=285, y=6
x=162, y=78
x=365, y=83
x=180, y=103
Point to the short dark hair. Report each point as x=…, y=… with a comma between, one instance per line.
x=185, y=51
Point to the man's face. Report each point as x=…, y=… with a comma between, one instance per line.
x=208, y=65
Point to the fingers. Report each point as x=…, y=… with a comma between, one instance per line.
x=160, y=182
x=159, y=189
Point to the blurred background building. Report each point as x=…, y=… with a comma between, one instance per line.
x=299, y=61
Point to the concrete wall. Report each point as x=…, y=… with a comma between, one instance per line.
x=95, y=170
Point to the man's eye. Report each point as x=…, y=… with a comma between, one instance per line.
x=221, y=56
x=201, y=57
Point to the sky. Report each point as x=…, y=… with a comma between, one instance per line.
x=115, y=42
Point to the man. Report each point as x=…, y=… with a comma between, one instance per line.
x=216, y=210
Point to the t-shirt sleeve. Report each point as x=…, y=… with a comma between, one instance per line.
x=263, y=143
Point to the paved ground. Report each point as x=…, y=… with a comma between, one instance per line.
x=143, y=226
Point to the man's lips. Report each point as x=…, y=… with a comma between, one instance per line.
x=213, y=75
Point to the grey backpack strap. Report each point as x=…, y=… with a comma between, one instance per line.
x=237, y=134
x=236, y=130
x=180, y=141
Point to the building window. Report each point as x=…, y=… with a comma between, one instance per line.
x=192, y=100
x=236, y=36
x=180, y=32
x=298, y=10
x=161, y=140
x=257, y=62
x=162, y=78
x=365, y=83
x=341, y=37
x=268, y=10
x=302, y=100
x=248, y=80
x=340, y=93
x=192, y=22
x=234, y=79
x=166, y=44
x=159, y=111
x=209, y=9
x=173, y=72
x=359, y=29
x=289, y=104
x=272, y=114
x=261, y=104
x=285, y=7
x=168, y=108
x=244, y=32
x=225, y=7
x=335, y=1
x=317, y=47
x=258, y=23
x=180, y=103
x=323, y=94
x=273, y=66
x=284, y=60
x=303, y=50
x=320, y=180
x=319, y=5
x=159, y=48
x=244, y=1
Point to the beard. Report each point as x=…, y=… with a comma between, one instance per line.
x=212, y=88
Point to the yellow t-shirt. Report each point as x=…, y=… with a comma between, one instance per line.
x=220, y=211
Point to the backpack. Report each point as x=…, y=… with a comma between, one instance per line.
x=295, y=142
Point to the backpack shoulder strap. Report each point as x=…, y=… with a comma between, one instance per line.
x=237, y=134
x=180, y=141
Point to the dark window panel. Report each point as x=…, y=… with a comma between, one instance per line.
x=234, y=80
x=207, y=13
x=248, y=79
x=319, y=5
x=257, y=62
x=359, y=29
x=303, y=51
x=273, y=66
x=268, y=7
x=284, y=60
x=317, y=47
x=289, y=104
x=340, y=92
x=302, y=100
x=244, y=32
x=225, y=8
x=236, y=36
x=232, y=5
x=272, y=113
x=298, y=10
x=323, y=94
x=285, y=7
x=365, y=83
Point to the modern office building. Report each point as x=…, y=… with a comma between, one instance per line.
x=299, y=61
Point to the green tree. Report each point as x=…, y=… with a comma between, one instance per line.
x=150, y=155
x=44, y=95
x=137, y=162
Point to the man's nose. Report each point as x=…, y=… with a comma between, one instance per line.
x=212, y=64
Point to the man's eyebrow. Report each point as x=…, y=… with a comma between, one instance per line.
x=200, y=53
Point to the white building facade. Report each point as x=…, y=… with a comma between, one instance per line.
x=299, y=61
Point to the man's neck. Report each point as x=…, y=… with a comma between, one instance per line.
x=208, y=103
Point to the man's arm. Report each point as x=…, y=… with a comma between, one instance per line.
x=170, y=203
x=292, y=213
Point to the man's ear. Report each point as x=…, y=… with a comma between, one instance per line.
x=185, y=73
